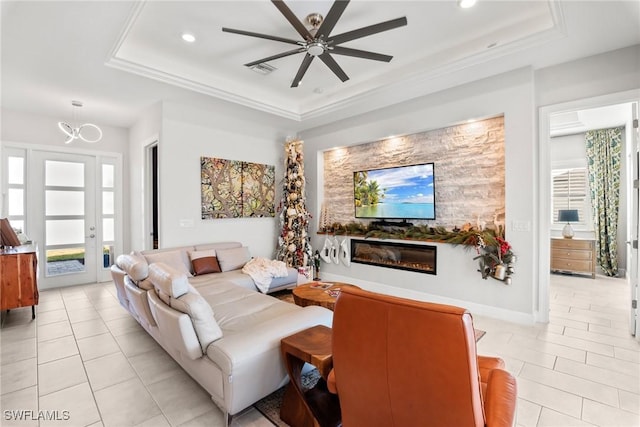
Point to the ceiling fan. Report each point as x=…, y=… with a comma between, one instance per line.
x=319, y=42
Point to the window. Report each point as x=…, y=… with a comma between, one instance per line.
x=571, y=191
x=16, y=189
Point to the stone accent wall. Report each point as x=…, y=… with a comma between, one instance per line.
x=468, y=167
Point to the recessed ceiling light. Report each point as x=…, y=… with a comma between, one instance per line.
x=189, y=38
x=466, y=4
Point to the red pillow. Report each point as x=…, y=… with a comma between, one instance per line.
x=205, y=265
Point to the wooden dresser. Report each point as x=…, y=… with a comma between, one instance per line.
x=574, y=255
x=18, y=278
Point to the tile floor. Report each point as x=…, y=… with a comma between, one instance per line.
x=88, y=363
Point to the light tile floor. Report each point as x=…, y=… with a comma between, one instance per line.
x=87, y=359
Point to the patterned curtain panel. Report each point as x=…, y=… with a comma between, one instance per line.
x=603, y=158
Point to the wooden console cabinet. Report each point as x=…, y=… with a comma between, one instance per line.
x=574, y=255
x=18, y=278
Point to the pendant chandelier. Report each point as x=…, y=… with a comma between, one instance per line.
x=91, y=134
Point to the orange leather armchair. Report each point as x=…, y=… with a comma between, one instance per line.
x=399, y=362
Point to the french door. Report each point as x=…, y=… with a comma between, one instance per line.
x=73, y=217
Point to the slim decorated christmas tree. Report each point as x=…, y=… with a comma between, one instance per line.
x=294, y=246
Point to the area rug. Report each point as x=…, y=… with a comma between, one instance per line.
x=284, y=295
x=270, y=405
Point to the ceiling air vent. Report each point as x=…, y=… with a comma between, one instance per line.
x=263, y=68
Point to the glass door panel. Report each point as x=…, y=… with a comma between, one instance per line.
x=108, y=178
x=67, y=208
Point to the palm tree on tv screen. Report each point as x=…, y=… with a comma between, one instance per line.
x=367, y=192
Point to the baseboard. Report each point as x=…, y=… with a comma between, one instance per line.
x=474, y=308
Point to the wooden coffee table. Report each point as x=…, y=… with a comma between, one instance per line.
x=307, y=294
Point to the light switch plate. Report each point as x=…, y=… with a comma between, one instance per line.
x=186, y=223
x=519, y=225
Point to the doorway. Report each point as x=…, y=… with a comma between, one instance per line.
x=630, y=213
x=70, y=206
x=152, y=186
x=65, y=217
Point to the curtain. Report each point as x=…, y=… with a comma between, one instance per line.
x=603, y=160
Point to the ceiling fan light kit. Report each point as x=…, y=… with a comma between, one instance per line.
x=318, y=42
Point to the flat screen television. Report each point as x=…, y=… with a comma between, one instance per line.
x=403, y=192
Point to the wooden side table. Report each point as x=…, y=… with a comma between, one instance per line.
x=316, y=407
x=18, y=278
x=306, y=294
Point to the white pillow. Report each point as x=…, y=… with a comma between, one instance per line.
x=233, y=259
x=177, y=259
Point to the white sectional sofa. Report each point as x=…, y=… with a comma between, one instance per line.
x=217, y=326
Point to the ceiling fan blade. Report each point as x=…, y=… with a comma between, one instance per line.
x=262, y=36
x=339, y=50
x=271, y=58
x=333, y=65
x=367, y=31
x=293, y=19
x=302, y=70
x=332, y=18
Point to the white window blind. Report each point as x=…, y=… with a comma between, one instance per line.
x=571, y=191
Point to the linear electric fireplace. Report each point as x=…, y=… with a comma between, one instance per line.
x=403, y=256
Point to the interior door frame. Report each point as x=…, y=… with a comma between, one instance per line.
x=544, y=196
x=634, y=319
x=102, y=274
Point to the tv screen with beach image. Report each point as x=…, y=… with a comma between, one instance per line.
x=403, y=192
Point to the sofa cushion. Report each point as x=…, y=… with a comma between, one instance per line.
x=135, y=265
x=201, y=315
x=178, y=259
x=145, y=284
x=204, y=262
x=233, y=259
x=168, y=281
x=217, y=245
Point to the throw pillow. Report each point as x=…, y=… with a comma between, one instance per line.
x=204, y=262
x=233, y=259
x=177, y=259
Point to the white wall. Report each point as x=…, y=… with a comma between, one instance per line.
x=189, y=133
x=511, y=94
x=146, y=131
x=610, y=72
